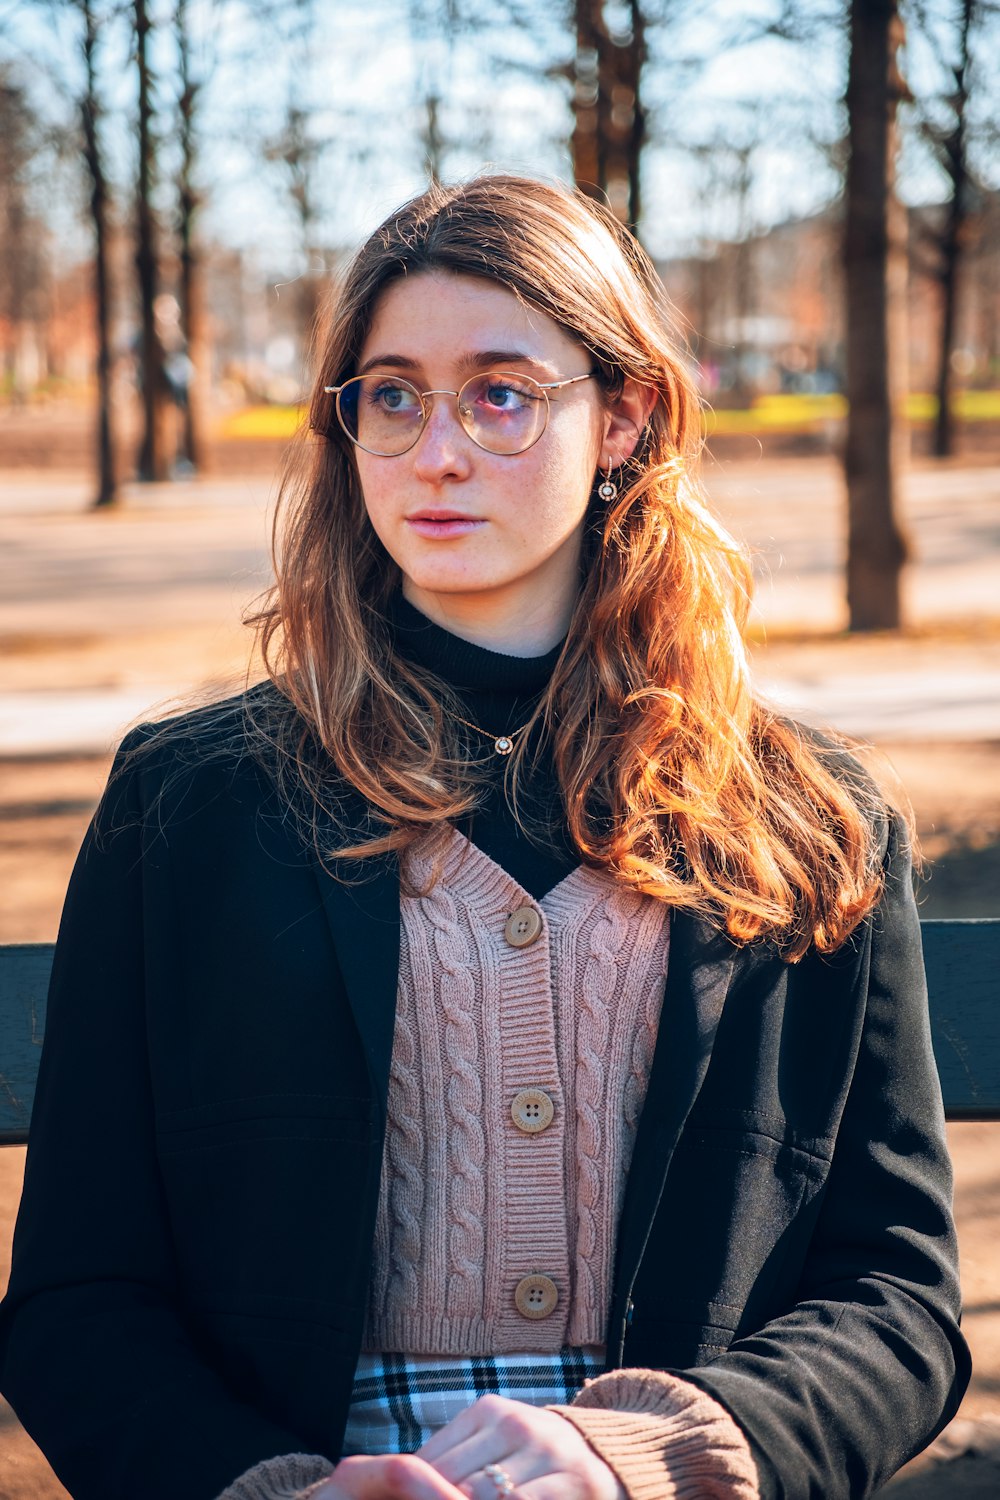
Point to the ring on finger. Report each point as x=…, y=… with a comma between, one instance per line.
x=500, y=1478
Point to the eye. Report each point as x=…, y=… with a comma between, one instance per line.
x=499, y=394
x=391, y=396
x=504, y=393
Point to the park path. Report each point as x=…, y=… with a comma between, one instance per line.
x=183, y=554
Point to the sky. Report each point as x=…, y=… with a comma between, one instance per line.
x=362, y=72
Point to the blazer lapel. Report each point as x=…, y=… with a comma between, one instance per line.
x=363, y=917
x=699, y=973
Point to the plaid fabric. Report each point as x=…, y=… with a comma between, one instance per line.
x=400, y=1400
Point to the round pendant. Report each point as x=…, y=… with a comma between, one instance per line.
x=607, y=491
x=503, y=745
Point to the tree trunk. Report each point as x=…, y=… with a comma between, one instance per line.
x=153, y=463
x=190, y=446
x=952, y=238
x=294, y=147
x=876, y=548
x=433, y=140
x=107, y=478
x=743, y=274
x=18, y=236
x=585, y=140
x=944, y=422
x=632, y=124
x=609, y=122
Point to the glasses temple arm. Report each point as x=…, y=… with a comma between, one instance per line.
x=557, y=385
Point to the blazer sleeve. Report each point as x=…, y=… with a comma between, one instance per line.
x=94, y=1354
x=869, y=1364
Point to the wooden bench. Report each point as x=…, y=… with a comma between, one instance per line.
x=963, y=978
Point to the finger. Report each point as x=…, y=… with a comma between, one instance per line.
x=497, y=1480
x=548, y=1487
x=395, y=1476
x=570, y=1485
x=481, y=1472
x=471, y=1420
x=528, y=1444
x=487, y=1430
x=526, y=1440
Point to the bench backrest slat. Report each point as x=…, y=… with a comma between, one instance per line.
x=24, y=983
x=963, y=978
x=963, y=983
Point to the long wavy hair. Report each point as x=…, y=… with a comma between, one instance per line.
x=675, y=778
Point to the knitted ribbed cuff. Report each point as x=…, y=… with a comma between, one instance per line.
x=293, y=1476
x=665, y=1439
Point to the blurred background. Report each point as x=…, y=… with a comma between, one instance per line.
x=819, y=185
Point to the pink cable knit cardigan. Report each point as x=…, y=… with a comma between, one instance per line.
x=471, y=1203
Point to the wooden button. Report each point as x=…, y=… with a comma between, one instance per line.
x=536, y=1296
x=522, y=927
x=532, y=1110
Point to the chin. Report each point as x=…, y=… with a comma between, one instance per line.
x=444, y=582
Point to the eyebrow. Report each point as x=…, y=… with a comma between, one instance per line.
x=482, y=359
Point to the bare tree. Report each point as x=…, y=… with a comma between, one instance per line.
x=743, y=264
x=724, y=262
x=433, y=139
x=952, y=149
x=609, y=120
x=945, y=125
x=23, y=268
x=153, y=461
x=189, y=278
x=297, y=150
x=874, y=252
x=91, y=113
x=92, y=21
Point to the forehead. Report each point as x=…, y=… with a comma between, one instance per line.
x=437, y=315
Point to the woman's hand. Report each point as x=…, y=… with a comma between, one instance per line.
x=399, y=1476
x=542, y=1454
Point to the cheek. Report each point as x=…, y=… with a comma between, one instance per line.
x=374, y=493
x=565, y=477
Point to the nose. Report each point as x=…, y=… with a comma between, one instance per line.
x=443, y=448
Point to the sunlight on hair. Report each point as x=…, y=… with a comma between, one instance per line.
x=677, y=780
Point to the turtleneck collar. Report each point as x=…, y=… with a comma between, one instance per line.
x=500, y=692
x=468, y=668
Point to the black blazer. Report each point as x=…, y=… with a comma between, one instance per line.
x=194, y=1243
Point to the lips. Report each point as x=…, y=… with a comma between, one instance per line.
x=433, y=522
x=441, y=515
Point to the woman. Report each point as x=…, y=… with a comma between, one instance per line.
x=360, y=981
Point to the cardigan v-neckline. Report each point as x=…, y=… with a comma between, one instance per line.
x=582, y=882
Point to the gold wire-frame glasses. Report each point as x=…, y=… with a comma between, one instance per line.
x=502, y=412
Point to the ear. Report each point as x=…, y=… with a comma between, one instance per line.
x=626, y=420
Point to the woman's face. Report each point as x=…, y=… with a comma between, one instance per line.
x=488, y=545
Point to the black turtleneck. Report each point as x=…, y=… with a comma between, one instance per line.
x=498, y=693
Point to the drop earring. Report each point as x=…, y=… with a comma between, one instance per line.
x=608, y=490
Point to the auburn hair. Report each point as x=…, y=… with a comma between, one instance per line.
x=676, y=779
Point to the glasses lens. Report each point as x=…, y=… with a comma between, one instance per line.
x=503, y=413
x=381, y=413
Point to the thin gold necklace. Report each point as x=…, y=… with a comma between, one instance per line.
x=503, y=744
